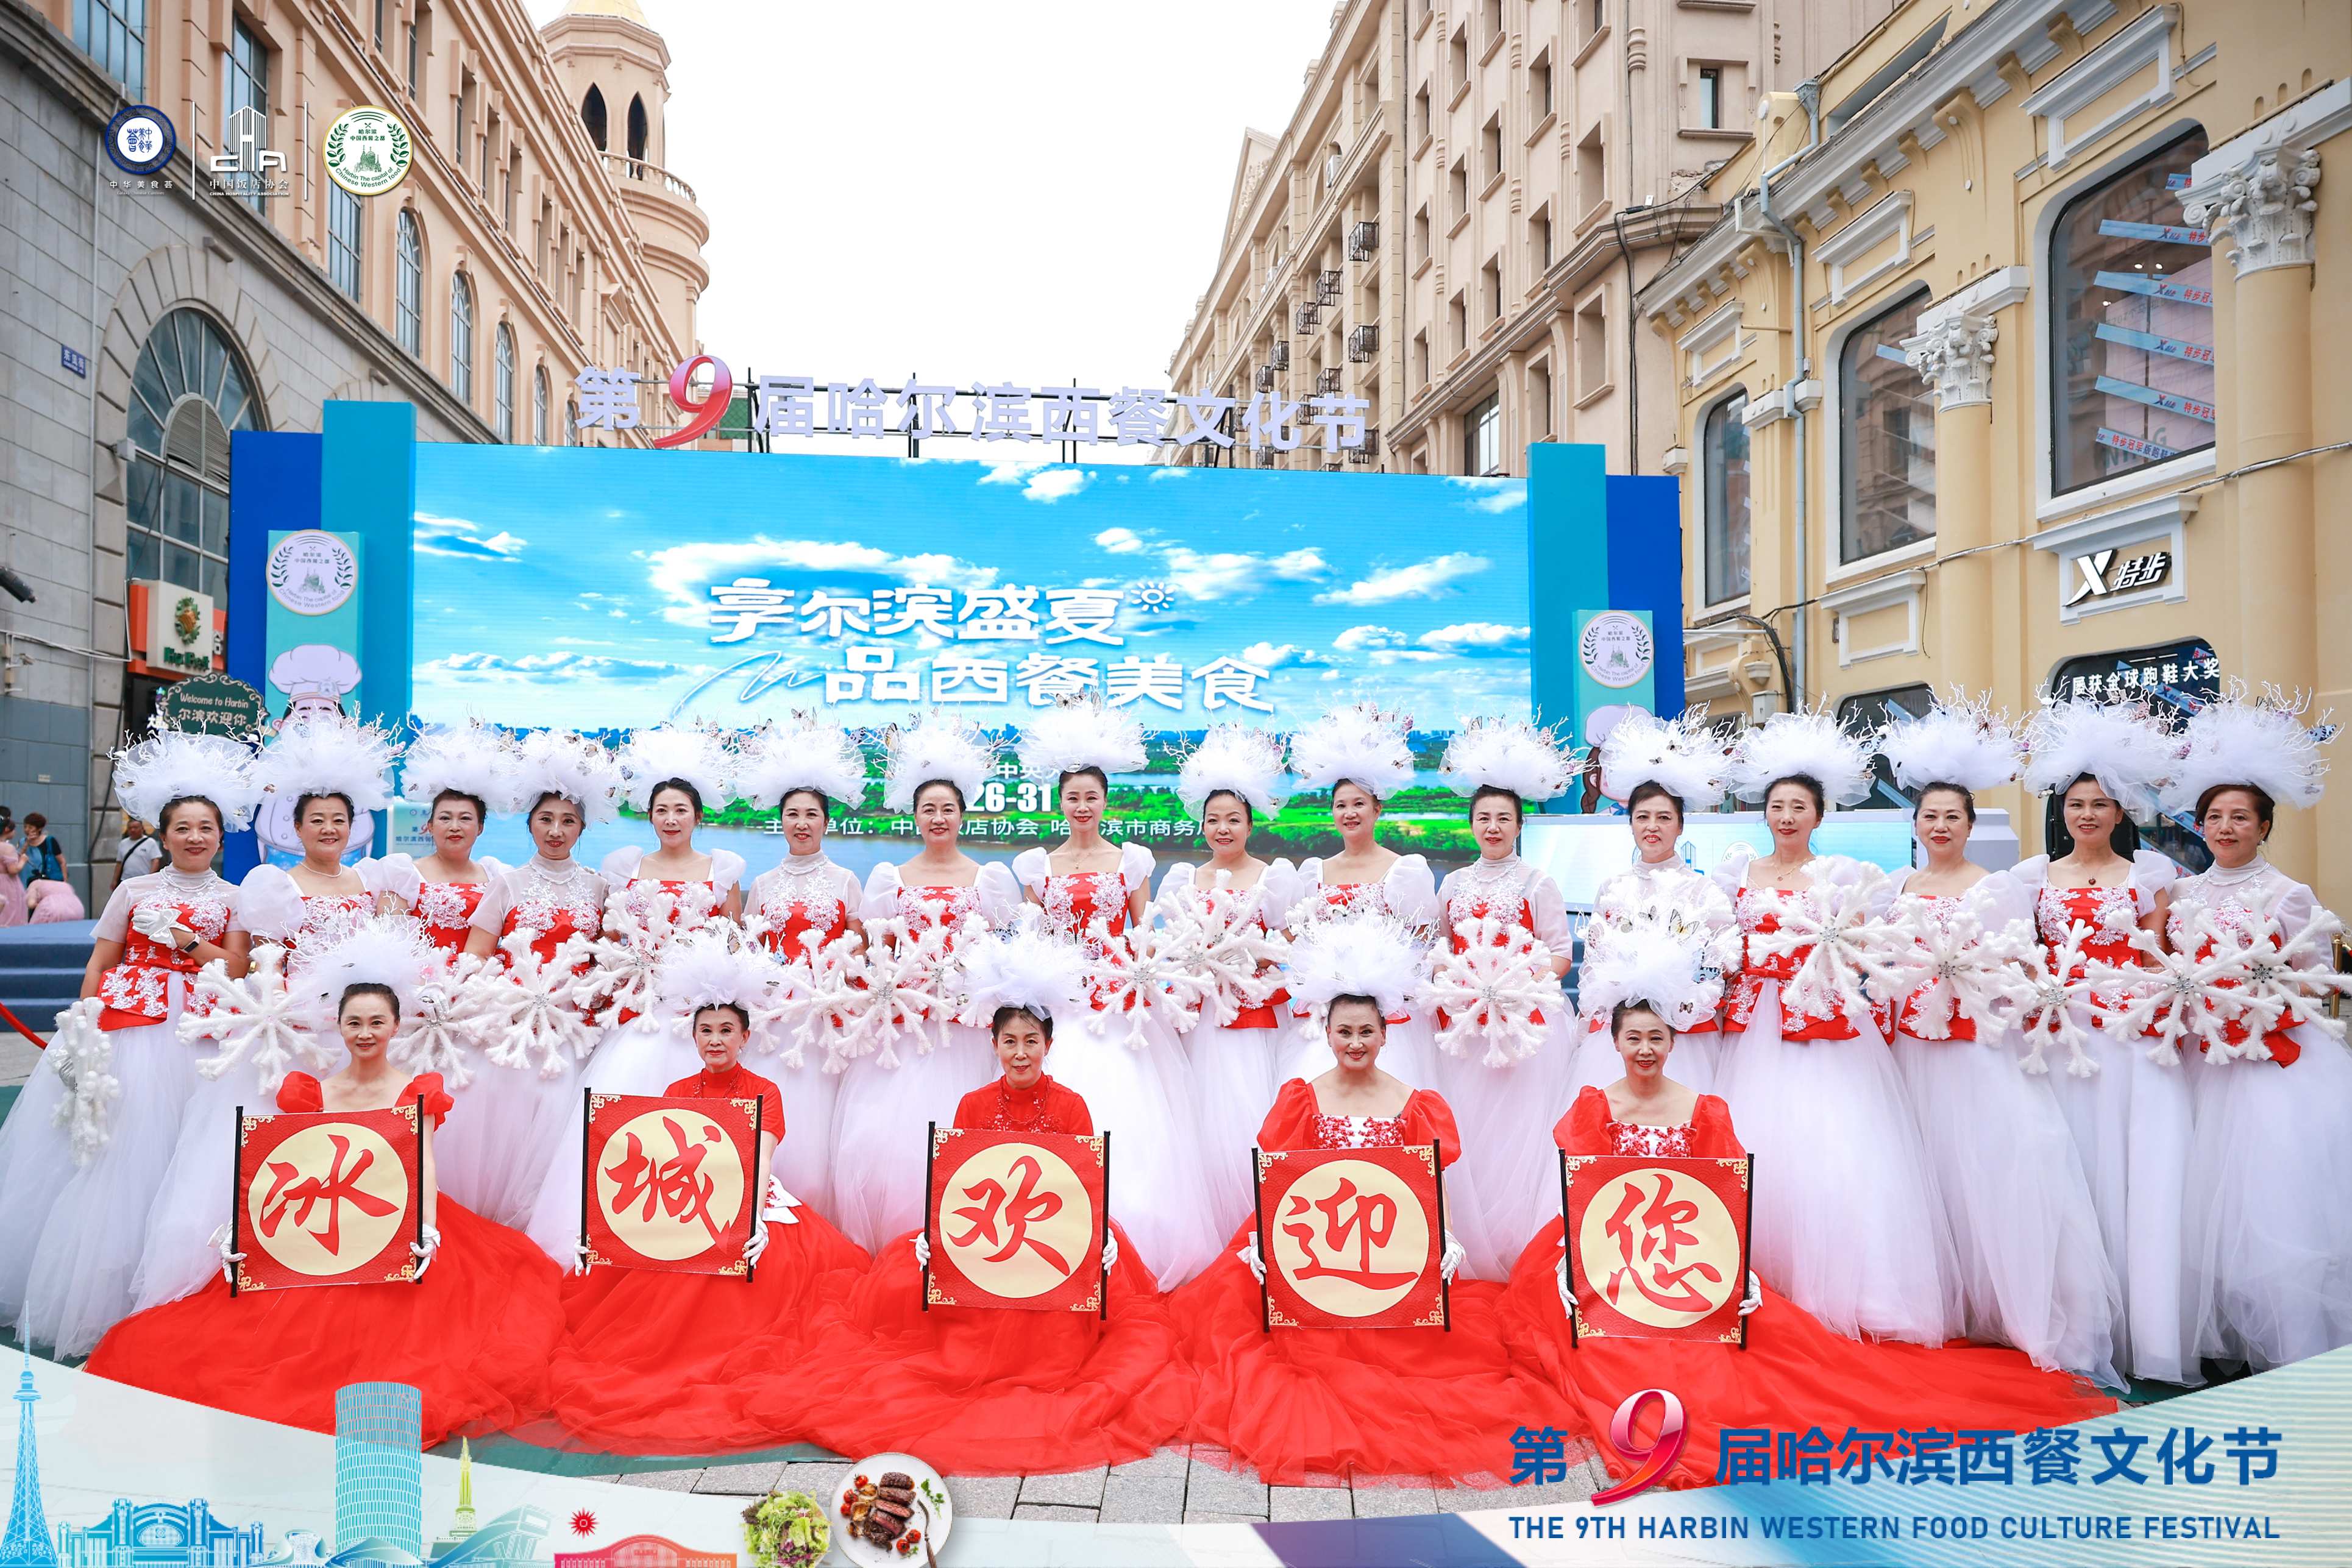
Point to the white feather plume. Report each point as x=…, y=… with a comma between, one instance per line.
x=384, y=950
x=1959, y=741
x=1080, y=732
x=1237, y=757
x=2118, y=744
x=936, y=746
x=572, y=766
x=2258, y=741
x=1508, y=754
x=1683, y=754
x=1646, y=964
x=327, y=754
x=1357, y=744
x=1808, y=743
x=472, y=759
x=1364, y=956
x=665, y=751
x=716, y=965
x=1024, y=965
x=168, y=764
x=799, y=752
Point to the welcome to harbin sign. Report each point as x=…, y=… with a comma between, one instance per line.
x=802, y=405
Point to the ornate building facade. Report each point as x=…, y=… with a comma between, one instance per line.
x=160, y=1535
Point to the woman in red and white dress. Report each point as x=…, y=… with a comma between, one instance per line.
x=459, y=775
x=2034, y=1271
x=2270, y=1168
x=472, y=1332
x=1123, y=1062
x=81, y=1178
x=655, y=1362
x=797, y=906
x=336, y=772
x=1228, y=783
x=1656, y=769
x=1360, y=754
x=1495, y=1082
x=1847, y=1218
x=519, y=1113
x=2130, y=1113
x=893, y=1086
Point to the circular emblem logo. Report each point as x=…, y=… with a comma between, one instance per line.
x=1660, y=1248
x=1351, y=1238
x=140, y=139
x=1017, y=1220
x=312, y=572
x=671, y=1182
x=367, y=151
x=1616, y=649
x=335, y=1195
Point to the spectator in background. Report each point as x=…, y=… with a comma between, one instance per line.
x=42, y=860
x=141, y=853
x=54, y=901
x=12, y=866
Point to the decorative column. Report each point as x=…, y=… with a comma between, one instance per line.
x=1953, y=352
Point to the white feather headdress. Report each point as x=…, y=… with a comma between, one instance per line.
x=653, y=757
x=561, y=763
x=1023, y=967
x=2119, y=744
x=1959, y=741
x=1646, y=965
x=1079, y=732
x=382, y=950
x=1508, y=754
x=169, y=764
x=716, y=967
x=473, y=758
x=2260, y=741
x=327, y=754
x=799, y=752
x=937, y=745
x=1357, y=744
x=1683, y=754
x=1237, y=757
x=1808, y=743
x=1369, y=956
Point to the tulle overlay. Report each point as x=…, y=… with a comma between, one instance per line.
x=1508, y=1176
x=1139, y=1095
x=878, y=1123
x=502, y=1138
x=1233, y=1078
x=643, y=1056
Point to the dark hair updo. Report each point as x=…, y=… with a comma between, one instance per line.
x=1628, y=1007
x=1102, y=780
x=824, y=801
x=1808, y=784
x=1650, y=789
x=370, y=988
x=1249, y=812
x=1968, y=799
x=1009, y=1011
x=1378, y=1012
x=2265, y=809
x=1497, y=792
x=303, y=801
x=547, y=795
x=482, y=806
x=163, y=817
x=743, y=1014
x=949, y=785
x=693, y=795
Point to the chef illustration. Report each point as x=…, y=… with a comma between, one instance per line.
x=316, y=678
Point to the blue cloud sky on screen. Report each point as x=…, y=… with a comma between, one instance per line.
x=573, y=587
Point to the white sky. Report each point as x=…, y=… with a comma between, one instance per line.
x=1015, y=189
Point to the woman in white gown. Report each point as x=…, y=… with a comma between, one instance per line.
x=796, y=908
x=897, y=1081
x=670, y=774
x=335, y=772
x=1655, y=767
x=2034, y=1271
x=79, y=1190
x=2130, y=1112
x=2270, y=1170
x=1846, y=1215
x=1501, y=1085
x=1124, y=1061
x=1229, y=782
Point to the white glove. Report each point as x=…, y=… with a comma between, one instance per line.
x=1110, y=1250
x=422, y=1252
x=922, y=1251
x=1451, y=1258
x=1560, y=1273
x=229, y=1259
x=580, y=1256
x=1755, y=1297
x=1252, y=1262
x=758, y=1242
x=158, y=922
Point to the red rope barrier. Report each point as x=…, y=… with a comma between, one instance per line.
x=18, y=1025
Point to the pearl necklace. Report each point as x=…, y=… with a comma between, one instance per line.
x=191, y=882
x=2236, y=876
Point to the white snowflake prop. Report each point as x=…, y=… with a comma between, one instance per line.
x=2172, y=998
x=2285, y=978
x=1146, y=977
x=1972, y=970
x=1858, y=960
x=438, y=1032
x=255, y=1019
x=83, y=1056
x=1492, y=991
x=525, y=1011
x=909, y=992
x=626, y=958
x=819, y=994
x=1227, y=951
x=2052, y=985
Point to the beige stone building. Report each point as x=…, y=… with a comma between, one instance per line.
x=2009, y=365
x=1451, y=225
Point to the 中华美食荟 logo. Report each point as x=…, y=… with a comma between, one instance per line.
x=368, y=151
x=140, y=139
x=312, y=572
x=1616, y=649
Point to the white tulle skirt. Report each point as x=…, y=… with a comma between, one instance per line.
x=1509, y=1166
x=1695, y=1063
x=2131, y=1124
x=1137, y=1086
x=2270, y=1178
x=879, y=1116
x=1233, y=1075
x=2034, y=1271
x=643, y=1056
x=1847, y=1222
x=803, y=1161
x=70, y=1236
x=500, y=1138
x=1410, y=1056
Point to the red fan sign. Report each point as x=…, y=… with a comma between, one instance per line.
x=328, y=1198
x=1017, y=1219
x=1352, y=1237
x=670, y=1183
x=1657, y=1248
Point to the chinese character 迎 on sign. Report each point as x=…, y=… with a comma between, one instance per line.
x=1351, y=1238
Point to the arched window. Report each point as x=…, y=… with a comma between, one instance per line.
x=408, y=313
x=1887, y=436
x=343, y=239
x=637, y=128
x=571, y=423
x=461, y=337
x=190, y=389
x=539, y=406
x=503, y=388
x=592, y=115
x=1723, y=454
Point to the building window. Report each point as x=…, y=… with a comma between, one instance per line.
x=570, y=421
x=1458, y=181
x=1421, y=360
x=2131, y=309
x=592, y=115
x=1592, y=174
x=461, y=337
x=1867, y=711
x=460, y=132
x=382, y=7
x=1423, y=118
x=343, y=240
x=1460, y=51
x=2180, y=678
x=190, y=389
x=1421, y=234
x=1707, y=113
x=1457, y=316
x=1592, y=346
x=1539, y=402
x=244, y=112
x=1539, y=90
x=408, y=313
x=1722, y=451
x=113, y=34
x=1887, y=437
x=638, y=131
x=1539, y=241
x=1491, y=139
x=539, y=405
x=416, y=26
x=1490, y=288
x=503, y=385
x=1482, y=436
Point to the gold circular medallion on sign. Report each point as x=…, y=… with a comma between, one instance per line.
x=1016, y=1220
x=1350, y=1237
x=328, y=1198
x=670, y=1183
x=1660, y=1247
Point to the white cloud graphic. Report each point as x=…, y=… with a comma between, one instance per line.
x=1120, y=541
x=1492, y=495
x=1383, y=645
x=1477, y=638
x=1221, y=573
x=1429, y=578
x=550, y=669
x=1280, y=656
x=681, y=573
x=461, y=538
x=1050, y=485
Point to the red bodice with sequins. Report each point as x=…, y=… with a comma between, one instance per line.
x=1266, y=1014
x=2112, y=915
x=1760, y=915
x=1074, y=902
x=327, y=919
x=1044, y=1107
x=1941, y=908
x=1656, y=1143
x=1357, y=1131
x=789, y=925
x=552, y=922
x=2238, y=921
x=137, y=991
x=446, y=909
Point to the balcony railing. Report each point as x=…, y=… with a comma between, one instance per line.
x=1370, y=452
x=1280, y=356
x=1363, y=342
x=1364, y=241
x=1326, y=382
x=1327, y=284
x=1305, y=315
x=1265, y=378
x=622, y=167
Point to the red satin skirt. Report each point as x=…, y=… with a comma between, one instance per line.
x=475, y=1336
x=1794, y=1374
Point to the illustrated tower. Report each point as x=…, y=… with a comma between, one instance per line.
x=464, y=1526
x=380, y=1466
x=27, y=1544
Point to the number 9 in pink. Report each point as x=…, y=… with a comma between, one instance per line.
x=1650, y=1460
x=705, y=411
